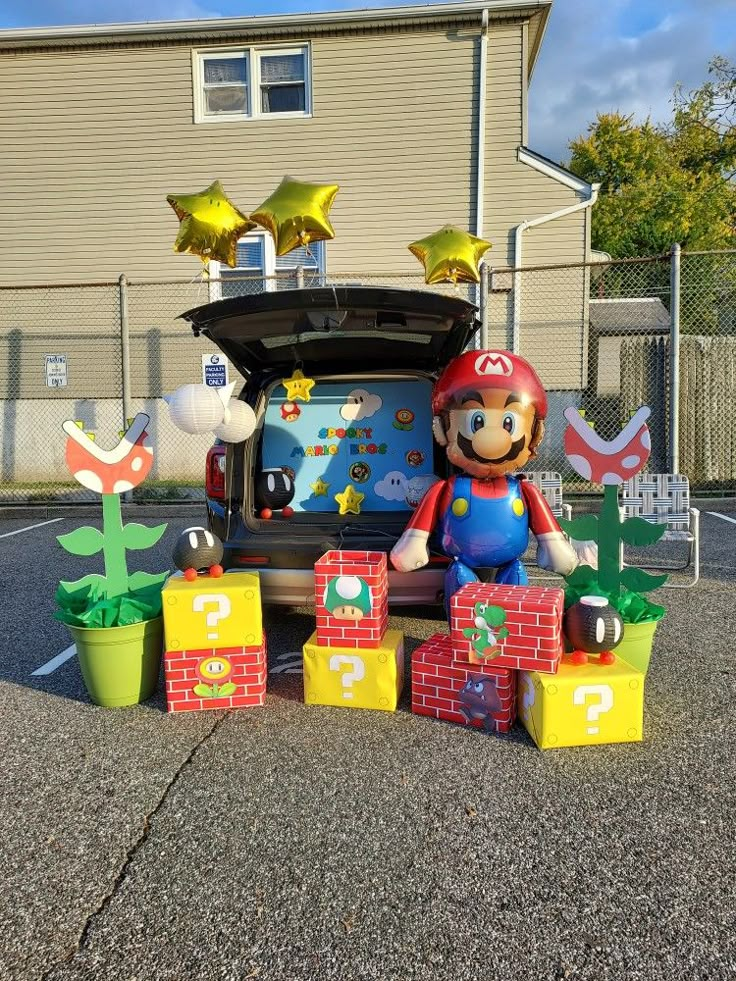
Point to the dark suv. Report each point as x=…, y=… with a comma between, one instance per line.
x=373, y=353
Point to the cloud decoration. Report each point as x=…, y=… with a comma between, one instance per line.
x=392, y=487
x=360, y=405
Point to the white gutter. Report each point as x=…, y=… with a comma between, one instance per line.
x=227, y=24
x=480, y=159
x=518, y=241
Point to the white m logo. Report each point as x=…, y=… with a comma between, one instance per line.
x=493, y=363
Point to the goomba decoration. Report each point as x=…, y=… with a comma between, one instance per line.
x=593, y=626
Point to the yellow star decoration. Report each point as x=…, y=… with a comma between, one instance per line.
x=450, y=255
x=210, y=224
x=298, y=387
x=297, y=214
x=350, y=500
x=320, y=487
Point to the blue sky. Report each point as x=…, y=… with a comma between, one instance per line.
x=598, y=55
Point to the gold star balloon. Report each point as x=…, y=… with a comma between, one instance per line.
x=450, y=255
x=210, y=224
x=297, y=214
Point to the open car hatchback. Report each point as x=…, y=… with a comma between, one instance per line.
x=373, y=354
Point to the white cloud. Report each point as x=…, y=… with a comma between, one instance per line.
x=392, y=487
x=360, y=405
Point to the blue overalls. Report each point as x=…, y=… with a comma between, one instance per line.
x=484, y=532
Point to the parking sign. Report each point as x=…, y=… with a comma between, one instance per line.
x=214, y=370
x=56, y=376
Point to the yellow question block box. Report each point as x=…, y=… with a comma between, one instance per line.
x=210, y=613
x=582, y=705
x=355, y=677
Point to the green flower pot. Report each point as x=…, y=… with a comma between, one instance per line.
x=636, y=646
x=120, y=665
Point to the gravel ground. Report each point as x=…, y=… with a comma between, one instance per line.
x=314, y=843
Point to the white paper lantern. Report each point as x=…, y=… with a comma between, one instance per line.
x=196, y=408
x=239, y=422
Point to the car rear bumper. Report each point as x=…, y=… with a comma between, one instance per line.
x=295, y=587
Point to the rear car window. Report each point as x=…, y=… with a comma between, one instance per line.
x=376, y=436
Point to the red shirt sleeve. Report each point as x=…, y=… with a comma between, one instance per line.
x=541, y=519
x=425, y=516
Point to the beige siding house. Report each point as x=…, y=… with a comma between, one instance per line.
x=418, y=113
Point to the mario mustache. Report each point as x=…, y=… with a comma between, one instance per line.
x=466, y=447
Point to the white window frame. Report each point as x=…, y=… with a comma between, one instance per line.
x=269, y=262
x=252, y=56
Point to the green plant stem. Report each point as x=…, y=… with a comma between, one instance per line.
x=609, y=542
x=113, y=549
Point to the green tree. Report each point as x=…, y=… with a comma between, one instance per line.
x=665, y=182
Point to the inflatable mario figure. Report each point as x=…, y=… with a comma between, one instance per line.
x=489, y=409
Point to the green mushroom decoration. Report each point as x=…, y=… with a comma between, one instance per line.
x=348, y=598
x=485, y=636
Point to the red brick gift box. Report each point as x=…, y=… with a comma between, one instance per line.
x=533, y=618
x=371, y=568
x=482, y=695
x=195, y=678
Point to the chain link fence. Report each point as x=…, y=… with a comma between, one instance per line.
x=600, y=335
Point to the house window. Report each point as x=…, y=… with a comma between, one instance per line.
x=260, y=269
x=251, y=83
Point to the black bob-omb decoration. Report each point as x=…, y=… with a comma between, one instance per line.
x=593, y=626
x=274, y=491
x=197, y=550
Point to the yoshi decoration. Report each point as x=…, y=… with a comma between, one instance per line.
x=485, y=636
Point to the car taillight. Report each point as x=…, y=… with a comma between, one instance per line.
x=215, y=472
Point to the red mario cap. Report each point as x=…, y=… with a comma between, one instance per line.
x=489, y=369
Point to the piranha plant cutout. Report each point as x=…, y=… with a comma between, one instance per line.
x=110, y=473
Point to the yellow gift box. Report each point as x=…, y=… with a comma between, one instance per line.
x=210, y=613
x=582, y=705
x=355, y=677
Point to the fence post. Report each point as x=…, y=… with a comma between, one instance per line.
x=674, y=420
x=485, y=274
x=124, y=348
x=300, y=277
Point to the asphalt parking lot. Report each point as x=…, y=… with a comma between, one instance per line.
x=294, y=842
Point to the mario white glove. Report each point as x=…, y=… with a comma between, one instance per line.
x=555, y=553
x=411, y=551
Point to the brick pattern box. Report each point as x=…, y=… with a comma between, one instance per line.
x=351, y=599
x=583, y=705
x=212, y=613
x=349, y=677
x=215, y=678
x=481, y=695
x=508, y=626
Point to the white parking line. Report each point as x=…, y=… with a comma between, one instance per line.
x=292, y=663
x=56, y=662
x=19, y=531
x=723, y=517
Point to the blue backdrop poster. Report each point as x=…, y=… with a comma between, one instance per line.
x=376, y=437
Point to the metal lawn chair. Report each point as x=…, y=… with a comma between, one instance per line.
x=664, y=498
x=549, y=483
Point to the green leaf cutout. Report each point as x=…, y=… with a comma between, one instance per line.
x=82, y=541
x=637, y=531
x=204, y=691
x=640, y=581
x=137, y=537
x=138, y=580
x=229, y=688
x=583, y=575
x=582, y=529
x=93, y=579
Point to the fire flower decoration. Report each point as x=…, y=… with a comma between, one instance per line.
x=610, y=463
x=213, y=673
x=111, y=473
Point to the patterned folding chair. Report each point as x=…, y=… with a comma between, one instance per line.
x=664, y=498
x=550, y=484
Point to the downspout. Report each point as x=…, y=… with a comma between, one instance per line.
x=480, y=169
x=518, y=242
x=480, y=157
